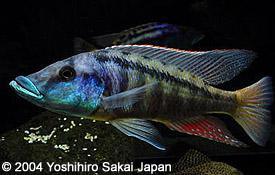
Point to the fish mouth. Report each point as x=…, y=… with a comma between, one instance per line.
x=25, y=86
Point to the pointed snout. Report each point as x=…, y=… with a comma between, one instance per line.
x=25, y=86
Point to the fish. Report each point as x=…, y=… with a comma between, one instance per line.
x=134, y=86
x=194, y=162
x=154, y=33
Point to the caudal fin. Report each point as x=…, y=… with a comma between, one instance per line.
x=253, y=112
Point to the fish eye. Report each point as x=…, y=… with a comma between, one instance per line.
x=67, y=73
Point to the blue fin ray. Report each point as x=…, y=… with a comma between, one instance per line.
x=140, y=129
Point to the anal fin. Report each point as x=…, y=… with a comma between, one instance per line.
x=207, y=127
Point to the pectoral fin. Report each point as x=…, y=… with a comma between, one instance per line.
x=140, y=129
x=126, y=98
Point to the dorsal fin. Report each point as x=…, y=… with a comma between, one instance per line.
x=213, y=67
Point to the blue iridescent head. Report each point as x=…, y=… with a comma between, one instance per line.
x=73, y=86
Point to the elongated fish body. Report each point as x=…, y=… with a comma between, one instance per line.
x=172, y=97
x=155, y=33
x=162, y=34
x=132, y=85
x=146, y=32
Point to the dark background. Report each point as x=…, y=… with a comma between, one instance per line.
x=33, y=35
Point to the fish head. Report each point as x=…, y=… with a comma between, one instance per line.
x=72, y=86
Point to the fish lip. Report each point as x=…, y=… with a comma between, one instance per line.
x=25, y=86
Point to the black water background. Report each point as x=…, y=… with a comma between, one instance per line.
x=35, y=34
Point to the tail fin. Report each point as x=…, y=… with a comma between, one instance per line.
x=252, y=112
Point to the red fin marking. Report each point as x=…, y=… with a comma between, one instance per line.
x=207, y=127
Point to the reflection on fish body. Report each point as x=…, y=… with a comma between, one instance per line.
x=131, y=85
x=155, y=33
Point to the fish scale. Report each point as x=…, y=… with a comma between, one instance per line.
x=186, y=108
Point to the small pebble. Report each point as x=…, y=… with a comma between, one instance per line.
x=66, y=129
x=88, y=136
x=33, y=137
x=64, y=147
x=35, y=128
x=72, y=122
